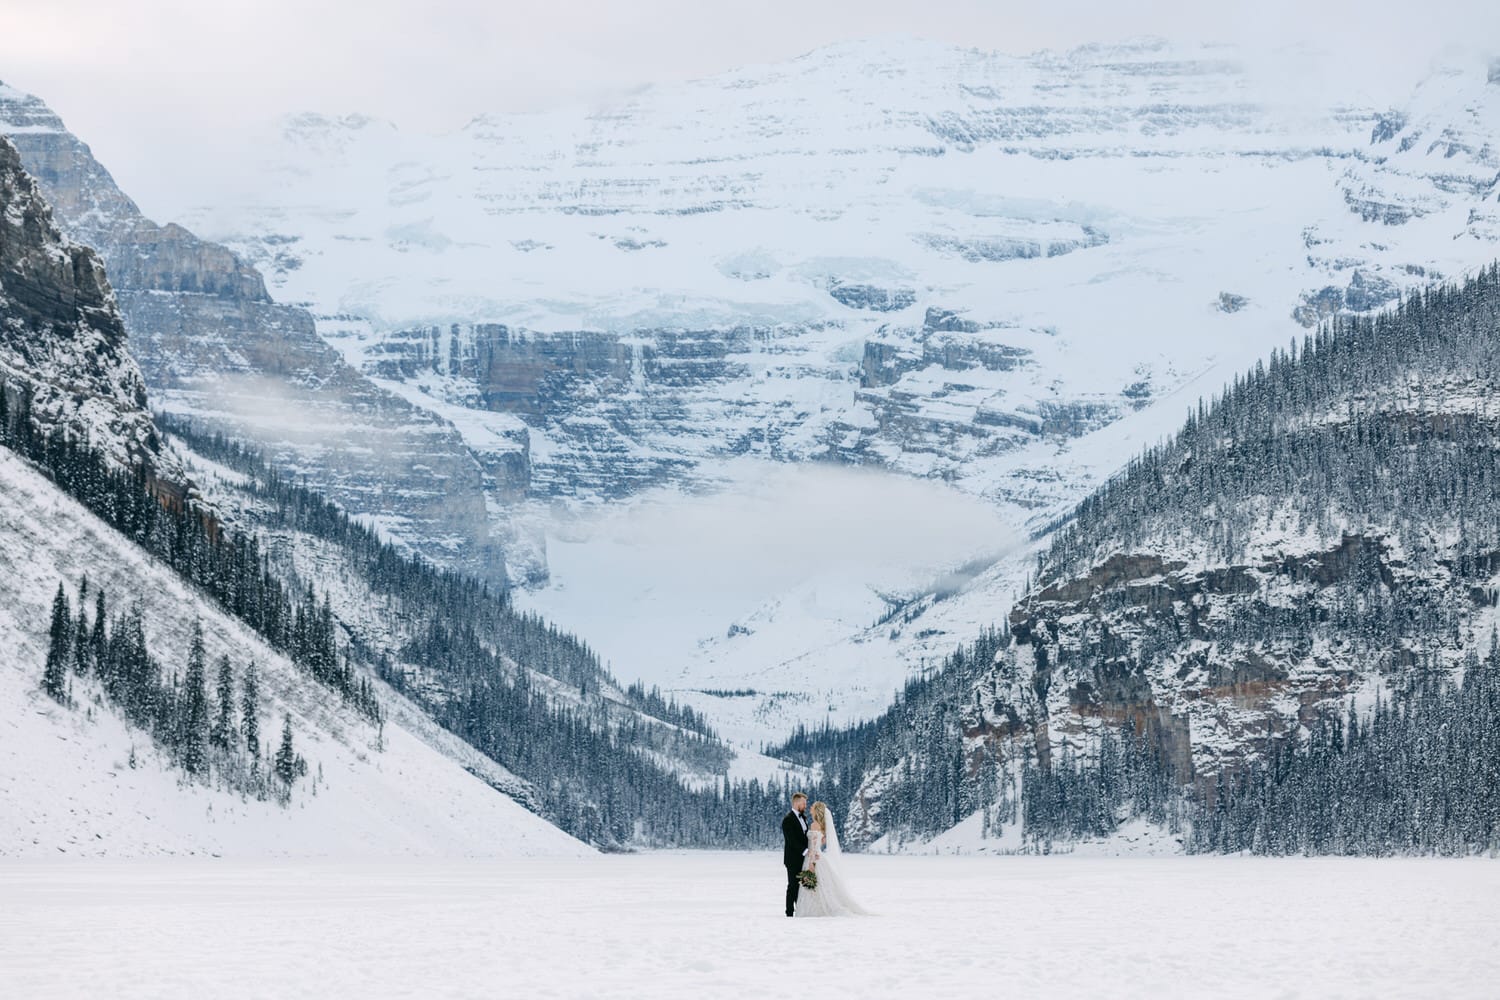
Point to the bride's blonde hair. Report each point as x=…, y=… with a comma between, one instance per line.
x=820, y=814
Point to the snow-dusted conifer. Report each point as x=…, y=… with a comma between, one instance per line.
x=82, y=648
x=193, y=709
x=223, y=730
x=250, y=710
x=99, y=638
x=286, y=754
x=55, y=674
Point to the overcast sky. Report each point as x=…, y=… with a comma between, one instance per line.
x=156, y=85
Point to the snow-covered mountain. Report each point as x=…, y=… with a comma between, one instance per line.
x=214, y=345
x=75, y=776
x=996, y=276
x=1001, y=275
x=935, y=260
x=81, y=781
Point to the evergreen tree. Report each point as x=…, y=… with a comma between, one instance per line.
x=250, y=710
x=193, y=712
x=82, y=648
x=55, y=673
x=99, y=638
x=286, y=755
x=223, y=731
x=24, y=432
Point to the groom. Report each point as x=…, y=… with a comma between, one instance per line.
x=794, y=841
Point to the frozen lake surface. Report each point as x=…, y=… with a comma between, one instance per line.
x=708, y=925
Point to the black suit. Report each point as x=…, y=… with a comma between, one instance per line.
x=794, y=840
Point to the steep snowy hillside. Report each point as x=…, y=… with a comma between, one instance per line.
x=75, y=776
x=211, y=342
x=1321, y=539
x=79, y=780
x=1001, y=274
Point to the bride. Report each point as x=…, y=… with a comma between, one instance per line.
x=831, y=898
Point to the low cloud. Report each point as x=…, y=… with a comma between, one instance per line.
x=166, y=90
x=786, y=524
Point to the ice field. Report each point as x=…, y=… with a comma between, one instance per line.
x=708, y=925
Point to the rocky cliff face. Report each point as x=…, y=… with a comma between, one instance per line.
x=613, y=414
x=1325, y=531
x=215, y=347
x=62, y=339
x=1214, y=660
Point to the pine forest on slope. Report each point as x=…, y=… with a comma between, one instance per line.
x=1276, y=630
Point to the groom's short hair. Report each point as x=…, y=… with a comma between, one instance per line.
x=799, y=795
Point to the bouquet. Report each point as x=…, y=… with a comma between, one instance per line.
x=808, y=878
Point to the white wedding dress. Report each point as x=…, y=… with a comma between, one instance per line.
x=831, y=898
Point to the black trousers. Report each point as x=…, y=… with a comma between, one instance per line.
x=792, y=885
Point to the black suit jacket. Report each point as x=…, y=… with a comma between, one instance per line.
x=794, y=839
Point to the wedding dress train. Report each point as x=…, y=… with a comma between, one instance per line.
x=831, y=898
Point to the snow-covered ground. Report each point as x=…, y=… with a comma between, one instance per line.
x=708, y=925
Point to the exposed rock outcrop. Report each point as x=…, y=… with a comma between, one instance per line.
x=62, y=339
x=1214, y=660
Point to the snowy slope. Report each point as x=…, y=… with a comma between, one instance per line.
x=66, y=784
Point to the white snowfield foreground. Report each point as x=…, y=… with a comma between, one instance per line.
x=67, y=787
x=709, y=925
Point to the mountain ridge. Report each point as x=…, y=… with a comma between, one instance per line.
x=211, y=341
